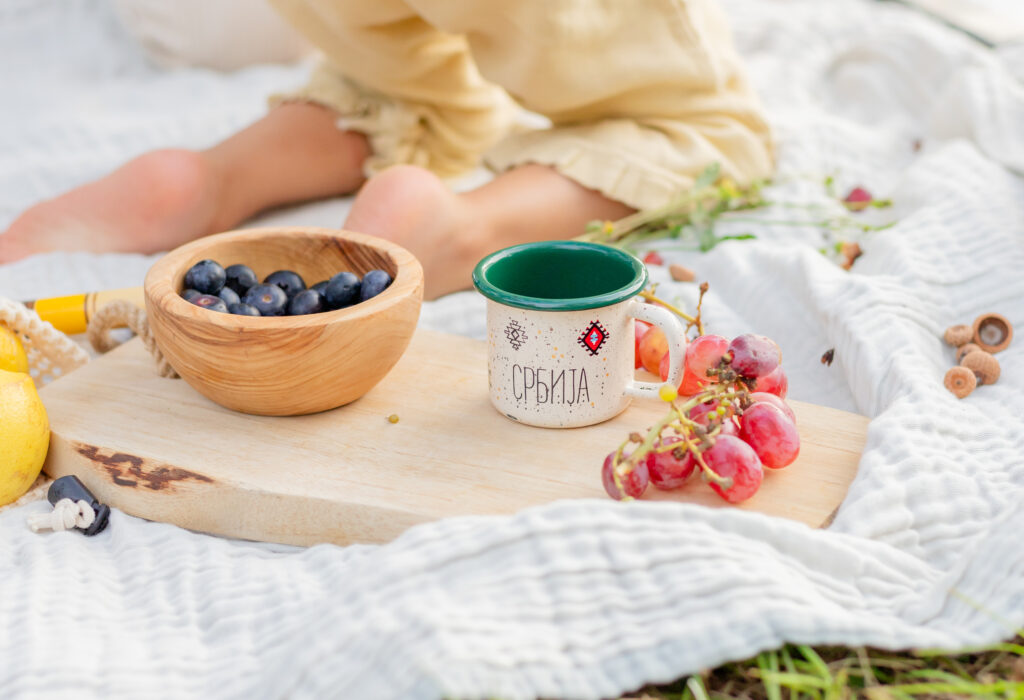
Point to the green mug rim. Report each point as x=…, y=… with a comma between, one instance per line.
x=522, y=301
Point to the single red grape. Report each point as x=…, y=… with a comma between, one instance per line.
x=654, y=258
x=665, y=470
x=704, y=353
x=653, y=346
x=771, y=434
x=775, y=382
x=663, y=367
x=689, y=385
x=634, y=483
x=732, y=458
x=639, y=328
x=754, y=355
x=762, y=397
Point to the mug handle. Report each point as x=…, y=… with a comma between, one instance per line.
x=676, y=336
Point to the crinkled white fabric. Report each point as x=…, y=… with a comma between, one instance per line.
x=582, y=599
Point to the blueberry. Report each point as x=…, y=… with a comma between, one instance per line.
x=229, y=296
x=287, y=280
x=190, y=294
x=308, y=301
x=243, y=310
x=240, y=278
x=208, y=301
x=320, y=287
x=374, y=282
x=269, y=299
x=206, y=276
x=342, y=290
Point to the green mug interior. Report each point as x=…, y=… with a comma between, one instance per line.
x=559, y=276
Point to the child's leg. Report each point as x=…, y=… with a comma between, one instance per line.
x=449, y=232
x=164, y=198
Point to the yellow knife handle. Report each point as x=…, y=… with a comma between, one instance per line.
x=71, y=314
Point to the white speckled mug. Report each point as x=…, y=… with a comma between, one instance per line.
x=560, y=332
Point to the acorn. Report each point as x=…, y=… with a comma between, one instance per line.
x=992, y=332
x=681, y=274
x=958, y=335
x=964, y=349
x=961, y=381
x=984, y=365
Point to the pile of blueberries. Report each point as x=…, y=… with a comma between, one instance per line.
x=236, y=290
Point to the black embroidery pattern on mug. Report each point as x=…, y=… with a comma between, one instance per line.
x=516, y=334
x=593, y=337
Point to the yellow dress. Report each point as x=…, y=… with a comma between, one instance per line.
x=641, y=94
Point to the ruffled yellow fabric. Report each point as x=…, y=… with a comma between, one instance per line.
x=633, y=163
x=642, y=96
x=400, y=132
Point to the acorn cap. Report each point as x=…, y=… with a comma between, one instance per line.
x=984, y=365
x=992, y=332
x=958, y=335
x=850, y=253
x=961, y=381
x=964, y=349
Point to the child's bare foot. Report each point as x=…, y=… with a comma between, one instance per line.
x=165, y=198
x=449, y=232
x=154, y=202
x=412, y=207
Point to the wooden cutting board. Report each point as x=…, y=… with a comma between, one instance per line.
x=155, y=448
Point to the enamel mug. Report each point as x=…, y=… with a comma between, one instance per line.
x=560, y=334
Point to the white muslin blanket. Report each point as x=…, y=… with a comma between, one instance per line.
x=582, y=599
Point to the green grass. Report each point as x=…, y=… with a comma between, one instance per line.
x=836, y=673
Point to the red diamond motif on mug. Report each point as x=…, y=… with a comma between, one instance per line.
x=593, y=337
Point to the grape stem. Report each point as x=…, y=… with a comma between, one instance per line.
x=650, y=438
x=649, y=296
x=691, y=321
x=710, y=473
x=616, y=463
x=684, y=426
x=700, y=300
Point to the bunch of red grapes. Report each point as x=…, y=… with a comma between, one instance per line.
x=727, y=420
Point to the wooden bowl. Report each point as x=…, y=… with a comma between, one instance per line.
x=286, y=365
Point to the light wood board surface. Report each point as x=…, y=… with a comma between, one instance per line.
x=155, y=448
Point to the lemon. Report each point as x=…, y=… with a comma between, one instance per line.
x=24, y=435
x=12, y=352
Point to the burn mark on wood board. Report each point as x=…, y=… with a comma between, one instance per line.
x=132, y=471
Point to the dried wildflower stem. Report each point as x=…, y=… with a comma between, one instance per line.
x=713, y=199
x=680, y=208
x=691, y=213
x=679, y=211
